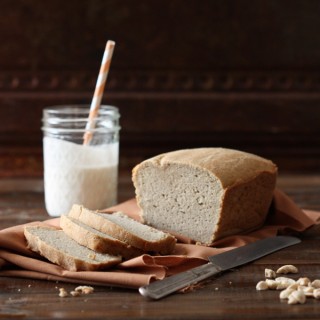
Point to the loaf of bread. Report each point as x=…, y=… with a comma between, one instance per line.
x=121, y=227
x=205, y=194
x=96, y=240
x=57, y=247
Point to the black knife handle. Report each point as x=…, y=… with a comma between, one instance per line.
x=159, y=289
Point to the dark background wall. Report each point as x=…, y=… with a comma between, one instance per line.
x=185, y=73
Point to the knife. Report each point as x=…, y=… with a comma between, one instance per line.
x=217, y=264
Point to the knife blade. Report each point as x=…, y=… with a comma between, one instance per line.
x=217, y=264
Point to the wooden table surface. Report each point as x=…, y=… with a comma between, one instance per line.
x=230, y=296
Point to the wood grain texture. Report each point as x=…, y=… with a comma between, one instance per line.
x=184, y=74
x=230, y=296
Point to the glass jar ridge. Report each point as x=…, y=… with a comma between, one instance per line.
x=69, y=122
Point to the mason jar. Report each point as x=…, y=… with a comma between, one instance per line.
x=78, y=170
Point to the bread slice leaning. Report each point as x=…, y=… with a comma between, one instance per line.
x=96, y=240
x=57, y=247
x=120, y=226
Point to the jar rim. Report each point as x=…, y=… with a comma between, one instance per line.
x=57, y=115
x=80, y=109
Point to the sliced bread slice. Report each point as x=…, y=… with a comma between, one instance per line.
x=122, y=227
x=57, y=247
x=96, y=240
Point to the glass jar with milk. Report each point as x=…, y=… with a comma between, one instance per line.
x=76, y=172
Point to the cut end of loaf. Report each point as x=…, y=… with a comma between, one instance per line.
x=180, y=199
x=205, y=194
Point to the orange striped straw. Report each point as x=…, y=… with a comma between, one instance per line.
x=98, y=92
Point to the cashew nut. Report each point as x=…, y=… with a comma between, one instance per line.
x=316, y=293
x=284, y=294
x=308, y=291
x=284, y=282
x=272, y=284
x=315, y=283
x=262, y=285
x=297, y=296
x=303, y=281
x=288, y=268
x=269, y=273
x=293, y=286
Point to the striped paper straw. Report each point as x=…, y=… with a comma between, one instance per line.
x=98, y=92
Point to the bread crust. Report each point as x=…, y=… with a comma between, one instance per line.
x=229, y=166
x=240, y=221
x=96, y=242
x=61, y=258
x=101, y=222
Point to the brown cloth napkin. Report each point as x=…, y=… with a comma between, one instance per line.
x=16, y=260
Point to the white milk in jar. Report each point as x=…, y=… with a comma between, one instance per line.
x=75, y=173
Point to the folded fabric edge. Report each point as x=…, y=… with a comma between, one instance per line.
x=34, y=275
